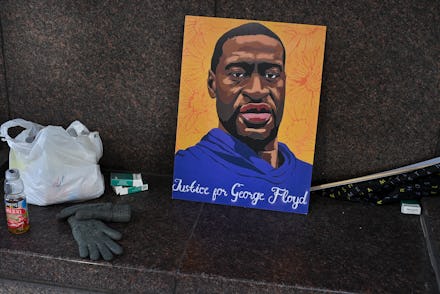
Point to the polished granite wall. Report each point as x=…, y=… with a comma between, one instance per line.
x=3, y=94
x=115, y=66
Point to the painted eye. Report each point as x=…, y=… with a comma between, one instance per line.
x=271, y=76
x=238, y=75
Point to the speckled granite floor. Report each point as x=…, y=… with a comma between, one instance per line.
x=175, y=246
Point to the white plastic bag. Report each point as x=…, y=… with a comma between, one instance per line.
x=56, y=165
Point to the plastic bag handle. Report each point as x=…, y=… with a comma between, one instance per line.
x=18, y=122
x=76, y=129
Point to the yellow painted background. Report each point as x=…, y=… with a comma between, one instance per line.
x=304, y=58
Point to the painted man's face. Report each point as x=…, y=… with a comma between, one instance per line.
x=249, y=84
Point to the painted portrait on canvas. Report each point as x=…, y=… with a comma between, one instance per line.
x=248, y=110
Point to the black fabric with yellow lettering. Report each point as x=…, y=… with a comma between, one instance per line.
x=412, y=185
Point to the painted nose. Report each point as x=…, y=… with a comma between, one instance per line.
x=255, y=89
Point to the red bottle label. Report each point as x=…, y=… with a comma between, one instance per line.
x=16, y=213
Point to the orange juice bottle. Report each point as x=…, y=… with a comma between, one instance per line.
x=17, y=215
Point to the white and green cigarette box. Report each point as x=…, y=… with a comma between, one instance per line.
x=410, y=207
x=119, y=190
x=126, y=179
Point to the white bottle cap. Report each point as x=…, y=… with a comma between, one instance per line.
x=12, y=174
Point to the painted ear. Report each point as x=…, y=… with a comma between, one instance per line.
x=211, y=84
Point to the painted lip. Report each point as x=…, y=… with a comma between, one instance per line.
x=256, y=113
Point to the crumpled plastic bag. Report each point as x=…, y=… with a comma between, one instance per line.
x=56, y=165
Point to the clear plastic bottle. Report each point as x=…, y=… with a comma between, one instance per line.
x=17, y=214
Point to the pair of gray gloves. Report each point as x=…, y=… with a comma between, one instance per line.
x=93, y=237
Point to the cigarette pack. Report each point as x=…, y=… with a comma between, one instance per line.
x=126, y=179
x=410, y=207
x=120, y=190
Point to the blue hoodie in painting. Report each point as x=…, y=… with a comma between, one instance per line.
x=221, y=169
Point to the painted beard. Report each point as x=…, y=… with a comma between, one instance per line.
x=256, y=144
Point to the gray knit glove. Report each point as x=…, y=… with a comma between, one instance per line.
x=95, y=239
x=104, y=211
